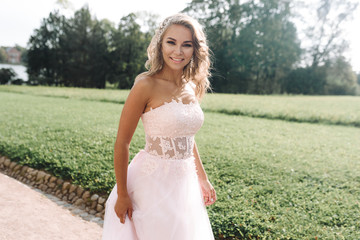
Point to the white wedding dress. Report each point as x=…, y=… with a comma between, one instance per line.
x=162, y=181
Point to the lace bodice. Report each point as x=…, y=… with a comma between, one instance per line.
x=170, y=129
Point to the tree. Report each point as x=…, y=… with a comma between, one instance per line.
x=65, y=4
x=6, y=75
x=273, y=44
x=148, y=22
x=99, y=59
x=75, y=49
x=128, y=51
x=3, y=56
x=254, y=43
x=70, y=52
x=221, y=19
x=84, y=52
x=323, y=33
x=307, y=80
x=23, y=52
x=43, y=57
x=341, y=79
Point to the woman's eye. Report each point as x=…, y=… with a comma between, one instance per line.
x=187, y=45
x=171, y=42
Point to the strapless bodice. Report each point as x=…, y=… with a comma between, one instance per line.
x=170, y=129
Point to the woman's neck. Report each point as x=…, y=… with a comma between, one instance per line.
x=170, y=75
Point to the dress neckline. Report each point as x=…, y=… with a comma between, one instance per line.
x=173, y=101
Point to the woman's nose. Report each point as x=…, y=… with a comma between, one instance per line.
x=178, y=50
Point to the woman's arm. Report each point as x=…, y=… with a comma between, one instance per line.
x=208, y=190
x=199, y=166
x=130, y=115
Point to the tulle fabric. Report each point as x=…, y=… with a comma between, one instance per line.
x=167, y=202
x=162, y=181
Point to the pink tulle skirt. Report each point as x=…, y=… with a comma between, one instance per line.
x=167, y=202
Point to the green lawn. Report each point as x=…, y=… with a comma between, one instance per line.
x=338, y=110
x=299, y=180
x=115, y=96
x=274, y=179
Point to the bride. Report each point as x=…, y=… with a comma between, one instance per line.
x=163, y=192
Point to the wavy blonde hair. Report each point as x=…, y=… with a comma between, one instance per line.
x=198, y=69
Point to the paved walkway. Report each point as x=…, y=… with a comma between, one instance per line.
x=27, y=213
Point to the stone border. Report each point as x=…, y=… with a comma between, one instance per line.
x=76, y=195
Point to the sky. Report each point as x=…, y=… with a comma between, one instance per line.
x=19, y=18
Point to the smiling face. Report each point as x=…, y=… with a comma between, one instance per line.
x=177, y=47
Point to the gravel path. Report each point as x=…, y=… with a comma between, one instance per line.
x=27, y=213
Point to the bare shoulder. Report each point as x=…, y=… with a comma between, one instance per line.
x=143, y=84
x=143, y=81
x=150, y=84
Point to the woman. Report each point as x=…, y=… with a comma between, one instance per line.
x=163, y=192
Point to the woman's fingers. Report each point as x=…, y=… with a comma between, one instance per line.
x=122, y=218
x=122, y=207
x=130, y=212
x=213, y=195
x=210, y=197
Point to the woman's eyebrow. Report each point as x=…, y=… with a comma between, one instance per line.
x=173, y=39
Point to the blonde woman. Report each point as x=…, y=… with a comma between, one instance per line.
x=162, y=193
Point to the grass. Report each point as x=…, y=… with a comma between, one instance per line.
x=72, y=139
x=334, y=110
x=274, y=179
x=90, y=94
x=338, y=110
x=283, y=180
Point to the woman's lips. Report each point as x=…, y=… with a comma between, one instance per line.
x=177, y=60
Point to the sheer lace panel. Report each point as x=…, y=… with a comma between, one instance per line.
x=166, y=147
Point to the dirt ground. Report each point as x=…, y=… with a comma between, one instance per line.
x=27, y=214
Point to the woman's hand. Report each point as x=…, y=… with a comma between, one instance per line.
x=123, y=205
x=208, y=192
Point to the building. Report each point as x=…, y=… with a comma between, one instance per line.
x=13, y=55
